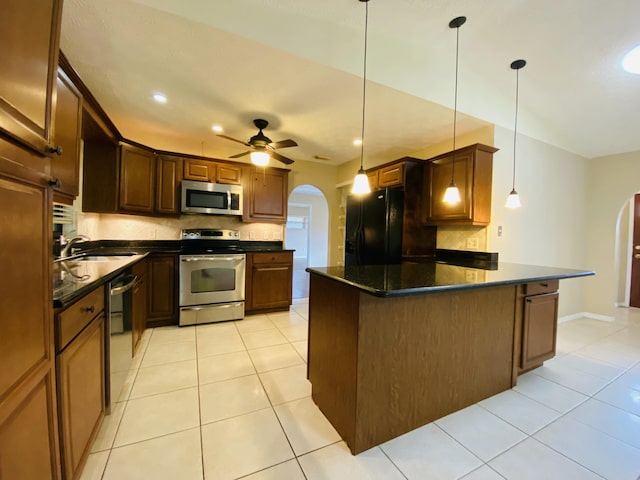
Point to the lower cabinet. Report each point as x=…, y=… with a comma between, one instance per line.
x=268, y=281
x=539, y=323
x=162, y=290
x=81, y=383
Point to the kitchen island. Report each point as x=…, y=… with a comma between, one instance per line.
x=394, y=347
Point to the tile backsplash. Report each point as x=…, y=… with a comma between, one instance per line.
x=128, y=227
x=462, y=238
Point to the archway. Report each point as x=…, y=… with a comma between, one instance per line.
x=307, y=232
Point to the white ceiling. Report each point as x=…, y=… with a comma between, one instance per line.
x=298, y=64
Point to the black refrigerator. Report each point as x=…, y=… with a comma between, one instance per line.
x=373, y=231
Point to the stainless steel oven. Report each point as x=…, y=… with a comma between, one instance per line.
x=211, y=287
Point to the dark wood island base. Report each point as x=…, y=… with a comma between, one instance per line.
x=382, y=364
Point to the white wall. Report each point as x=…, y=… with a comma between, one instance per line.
x=550, y=227
x=613, y=180
x=318, y=226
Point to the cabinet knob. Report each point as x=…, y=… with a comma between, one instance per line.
x=545, y=285
x=91, y=309
x=55, y=183
x=529, y=300
x=57, y=150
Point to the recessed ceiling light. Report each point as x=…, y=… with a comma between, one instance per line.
x=216, y=128
x=357, y=141
x=631, y=61
x=160, y=97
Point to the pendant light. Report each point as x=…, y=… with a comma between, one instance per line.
x=452, y=194
x=361, y=182
x=513, y=200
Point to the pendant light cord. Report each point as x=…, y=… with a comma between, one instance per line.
x=515, y=130
x=364, y=81
x=455, y=107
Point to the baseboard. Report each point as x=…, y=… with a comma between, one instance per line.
x=594, y=316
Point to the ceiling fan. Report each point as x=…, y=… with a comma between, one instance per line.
x=261, y=143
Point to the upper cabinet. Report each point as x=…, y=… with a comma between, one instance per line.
x=137, y=179
x=472, y=168
x=209, y=171
x=29, y=63
x=265, y=195
x=168, y=177
x=65, y=167
x=391, y=174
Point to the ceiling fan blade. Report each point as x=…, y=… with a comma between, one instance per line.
x=235, y=140
x=283, y=144
x=238, y=155
x=285, y=160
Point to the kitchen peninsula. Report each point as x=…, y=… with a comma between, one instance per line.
x=394, y=347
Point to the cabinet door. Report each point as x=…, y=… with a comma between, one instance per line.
x=81, y=381
x=391, y=176
x=230, y=174
x=162, y=306
x=373, y=179
x=539, y=329
x=137, y=179
x=139, y=303
x=29, y=35
x=271, y=278
x=199, y=170
x=167, y=185
x=28, y=432
x=65, y=168
x=439, y=180
x=267, y=196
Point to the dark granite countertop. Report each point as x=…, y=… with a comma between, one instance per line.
x=437, y=276
x=73, y=278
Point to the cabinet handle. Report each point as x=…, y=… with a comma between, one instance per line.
x=55, y=183
x=529, y=300
x=545, y=285
x=91, y=309
x=57, y=150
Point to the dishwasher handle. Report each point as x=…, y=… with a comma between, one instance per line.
x=124, y=287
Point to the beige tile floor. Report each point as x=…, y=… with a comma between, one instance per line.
x=231, y=400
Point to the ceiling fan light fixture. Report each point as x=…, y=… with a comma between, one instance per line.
x=361, y=181
x=631, y=61
x=260, y=158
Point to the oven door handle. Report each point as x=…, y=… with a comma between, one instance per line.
x=120, y=289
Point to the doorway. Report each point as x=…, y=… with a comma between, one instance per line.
x=307, y=232
x=628, y=253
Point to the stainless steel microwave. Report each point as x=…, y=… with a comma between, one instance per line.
x=211, y=198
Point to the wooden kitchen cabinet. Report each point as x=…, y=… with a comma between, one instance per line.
x=268, y=281
x=392, y=174
x=162, y=290
x=199, y=170
x=81, y=383
x=138, y=303
x=266, y=195
x=229, y=173
x=137, y=179
x=539, y=323
x=473, y=167
x=65, y=168
x=29, y=35
x=168, y=177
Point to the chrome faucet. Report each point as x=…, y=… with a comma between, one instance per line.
x=68, y=245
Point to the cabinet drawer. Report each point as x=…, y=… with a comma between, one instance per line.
x=73, y=319
x=537, y=288
x=272, y=257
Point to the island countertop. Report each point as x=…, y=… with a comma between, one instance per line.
x=394, y=280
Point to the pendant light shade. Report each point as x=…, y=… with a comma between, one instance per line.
x=260, y=158
x=513, y=200
x=361, y=182
x=452, y=194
